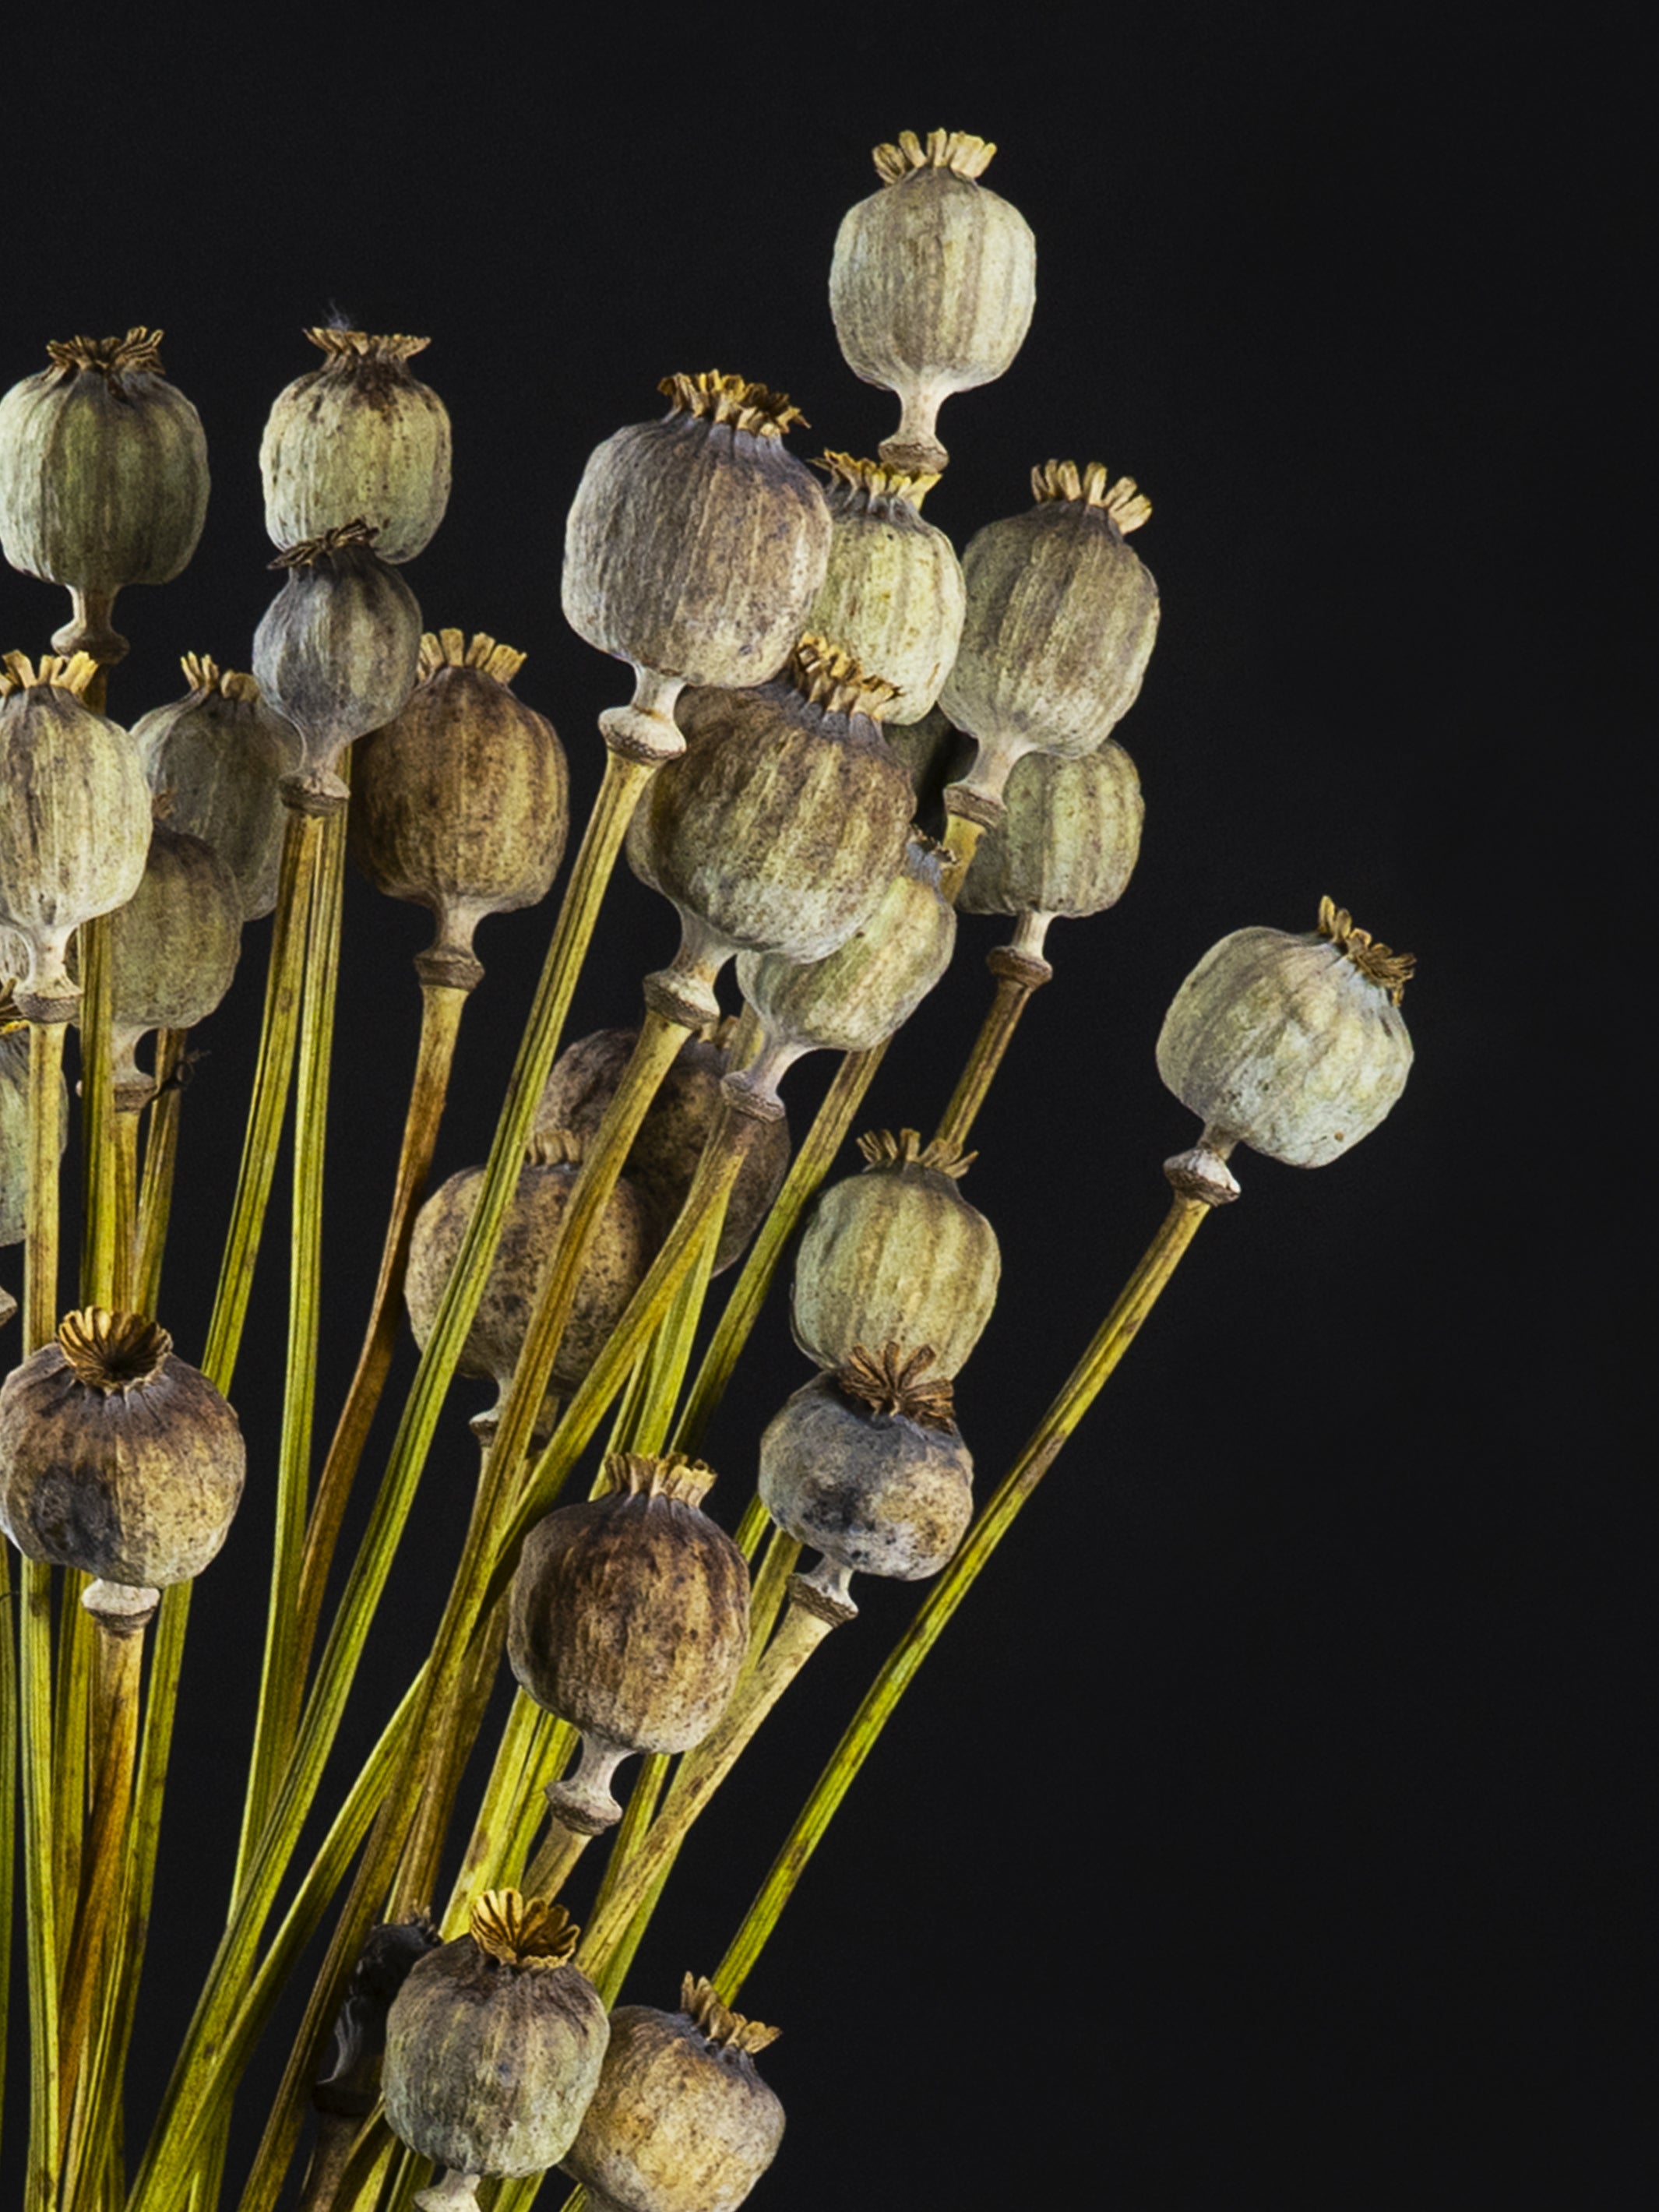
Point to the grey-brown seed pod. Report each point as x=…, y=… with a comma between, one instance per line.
x=935, y=752
x=1061, y=621
x=629, y=1618
x=172, y=950
x=103, y=479
x=693, y=549
x=358, y=437
x=1066, y=843
x=893, y=593
x=15, y=1118
x=615, y=1263
x=117, y=1458
x=867, y=1465
x=462, y=802
x=664, y=1156
x=868, y=987
x=74, y=819
x=1292, y=1045
x=493, y=2048
x=219, y=756
x=782, y=827
x=933, y=283
x=896, y=1252
x=681, y=2121
x=338, y=650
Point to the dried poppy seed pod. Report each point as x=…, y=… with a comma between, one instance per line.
x=893, y=593
x=1294, y=1046
x=119, y=1459
x=859, y=994
x=173, y=950
x=782, y=827
x=895, y=1252
x=75, y=820
x=867, y=1465
x=629, y=1617
x=693, y=549
x=338, y=650
x=493, y=2048
x=358, y=437
x=219, y=756
x=933, y=283
x=665, y=1155
x=103, y=479
x=1066, y=843
x=462, y=802
x=14, y=1118
x=615, y=1264
x=351, y=2086
x=681, y=2121
x=1061, y=620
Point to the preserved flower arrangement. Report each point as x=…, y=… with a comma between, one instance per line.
x=813, y=666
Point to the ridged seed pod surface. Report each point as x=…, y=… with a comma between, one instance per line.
x=173, y=944
x=358, y=438
x=892, y=594
x=1068, y=840
x=218, y=756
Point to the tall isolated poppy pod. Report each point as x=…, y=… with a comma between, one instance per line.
x=103, y=479
x=1294, y=1046
x=932, y=285
x=693, y=549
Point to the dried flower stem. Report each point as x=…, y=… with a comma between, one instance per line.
x=160, y=1158
x=535, y=1749
x=99, y=1171
x=1018, y=976
x=1082, y=1387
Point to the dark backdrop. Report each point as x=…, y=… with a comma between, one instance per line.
x=1269, y=1829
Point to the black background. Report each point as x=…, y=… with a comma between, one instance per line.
x=1271, y=1827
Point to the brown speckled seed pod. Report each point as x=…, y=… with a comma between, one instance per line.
x=358, y=437
x=462, y=802
x=933, y=283
x=1066, y=843
x=868, y=987
x=681, y=2121
x=615, y=1263
x=75, y=820
x=115, y=1456
x=665, y=1154
x=493, y=2048
x=1061, y=620
x=218, y=756
x=629, y=1617
x=782, y=827
x=103, y=479
x=893, y=593
x=1294, y=1046
x=693, y=549
x=339, y=649
x=867, y=1465
x=895, y=1252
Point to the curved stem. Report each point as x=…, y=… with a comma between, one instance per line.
x=1082, y=1387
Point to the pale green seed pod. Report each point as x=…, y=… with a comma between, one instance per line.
x=892, y=594
x=694, y=548
x=117, y=1458
x=867, y=989
x=1060, y=624
x=782, y=827
x=358, y=439
x=1066, y=844
x=867, y=1465
x=75, y=820
x=493, y=2048
x=895, y=1253
x=462, y=802
x=1294, y=1046
x=103, y=479
x=218, y=756
x=629, y=1618
x=932, y=285
x=681, y=2121
x=337, y=651
x=15, y=1118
